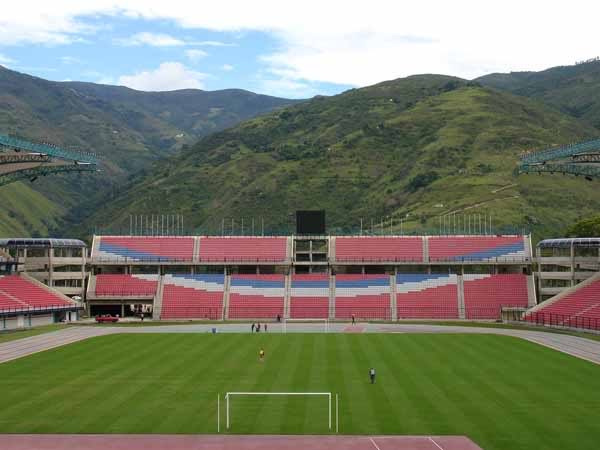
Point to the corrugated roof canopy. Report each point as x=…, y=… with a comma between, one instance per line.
x=41, y=243
x=593, y=242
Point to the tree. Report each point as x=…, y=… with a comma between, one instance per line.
x=589, y=227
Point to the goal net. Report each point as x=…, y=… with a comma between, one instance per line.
x=276, y=412
x=319, y=325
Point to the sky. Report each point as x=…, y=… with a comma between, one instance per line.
x=294, y=49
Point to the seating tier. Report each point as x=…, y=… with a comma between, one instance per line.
x=364, y=296
x=475, y=248
x=126, y=285
x=198, y=296
x=485, y=295
x=432, y=296
x=256, y=296
x=18, y=292
x=154, y=248
x=309, y=296
x=260, y=249
x=580, y=308
x=379, y=249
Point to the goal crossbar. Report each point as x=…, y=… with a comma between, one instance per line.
x=306, y=321
x=231, y=394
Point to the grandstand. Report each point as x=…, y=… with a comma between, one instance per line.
x=21, y=160
x=578, y=307
x=333, y=277
x=579, y=158
x=482, y=277
x=25, y=301
x=567, y=282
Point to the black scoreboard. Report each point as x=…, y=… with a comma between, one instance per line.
x=310, y=222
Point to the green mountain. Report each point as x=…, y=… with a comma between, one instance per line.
x=128, y=129
x=575, y=90
x=414, y=149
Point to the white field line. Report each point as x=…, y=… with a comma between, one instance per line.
x=436, y=444
x=374, y=444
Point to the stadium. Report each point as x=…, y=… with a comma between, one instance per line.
x=154, y=335
x=425, y=311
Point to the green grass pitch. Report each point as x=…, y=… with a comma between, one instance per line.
x=502, y=392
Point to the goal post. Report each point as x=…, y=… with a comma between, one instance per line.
x=229, y=395
x=325, y=323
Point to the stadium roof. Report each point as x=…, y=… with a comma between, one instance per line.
x=593, y=242
x=41, y=243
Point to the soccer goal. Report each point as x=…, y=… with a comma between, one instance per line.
x=327, y=398
x=324, y=323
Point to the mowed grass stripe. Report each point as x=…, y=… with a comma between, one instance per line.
x=122, y=377
x=256, y=413
x=503, y=392
x=50, y=392
x=168, y=404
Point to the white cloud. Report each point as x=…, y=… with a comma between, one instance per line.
x=5, y=59
x=69, y=60
x=214, y=44
x=151, y=39
x=227, y=67
x=350, y=42
x=168, y=77
x=195, y=55
x=105, y=80
x=284, y=87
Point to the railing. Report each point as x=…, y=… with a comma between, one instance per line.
x=165, y=259
x=188, y=313
x=126, y=293
x=554, y=320
x=363, y=312
x=444, y=259
x=560, y=152
x=380, y=259
x=497, y=259
x=4, y=311
x=47, y=149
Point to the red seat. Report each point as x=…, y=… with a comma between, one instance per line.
x=15, y=289
x=126, y=285
x=266, y=249
x=379, y=249
x=580, y=309
x=485, y=295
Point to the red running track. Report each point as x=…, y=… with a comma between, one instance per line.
x=231, y=442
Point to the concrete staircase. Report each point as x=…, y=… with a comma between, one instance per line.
x=460, y=288
x=393, y=298
x=226, y=297
x=157, y=304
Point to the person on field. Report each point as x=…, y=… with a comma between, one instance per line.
x=265, y=327
x=353, y=319
x=258, y=327
x=261, y=355
x=372, y=375
x=252, y=327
